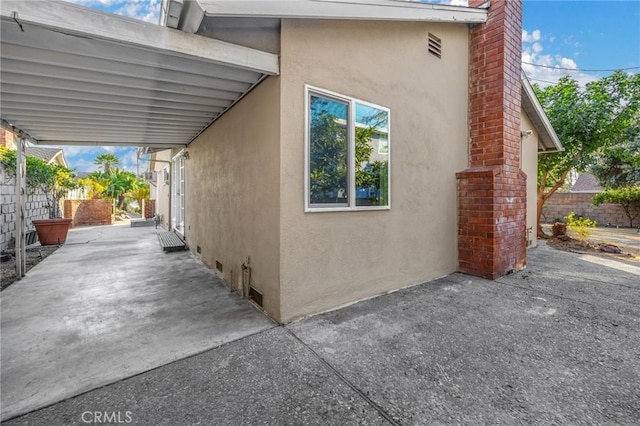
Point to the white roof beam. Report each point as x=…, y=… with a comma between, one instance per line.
x=80, y=21
x=12, y=101
x=79, y=111
x=21, y=82
x=68, y=71
x=56, y=96
x=150, y=143
x=129, y=63
x=71, y=75
x=52, y=116
x=85, y=91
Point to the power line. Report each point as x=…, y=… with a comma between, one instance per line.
x=542, y=81
x=576, y=69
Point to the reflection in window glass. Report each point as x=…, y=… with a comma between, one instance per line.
x=372, y=156
x=328, y=151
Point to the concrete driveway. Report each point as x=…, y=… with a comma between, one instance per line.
x=107, y=305
x=557, y=343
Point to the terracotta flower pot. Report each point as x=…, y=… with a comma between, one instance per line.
x=52, y=231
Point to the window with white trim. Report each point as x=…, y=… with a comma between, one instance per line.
x=347, y=153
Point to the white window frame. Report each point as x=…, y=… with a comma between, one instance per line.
x=308, y=208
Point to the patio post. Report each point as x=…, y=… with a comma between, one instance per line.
x=21, y=193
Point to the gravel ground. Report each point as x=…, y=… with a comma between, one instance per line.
x=35, y=255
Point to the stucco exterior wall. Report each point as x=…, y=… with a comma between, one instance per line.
x=332, y=258
x=529, y=160
x=232, y=183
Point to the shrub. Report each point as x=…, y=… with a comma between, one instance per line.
x=580, y=226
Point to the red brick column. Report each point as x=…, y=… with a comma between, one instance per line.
x=492, y=191
x=148, y=208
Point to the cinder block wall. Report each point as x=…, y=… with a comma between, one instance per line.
x=35, y=208
x=88, y=212
x=561, y=204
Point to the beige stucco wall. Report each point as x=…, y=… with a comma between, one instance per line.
x=529, y=161
x=162, y=191
x=332, y=258
x=232, y=182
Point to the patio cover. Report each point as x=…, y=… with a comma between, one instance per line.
x=71, y=75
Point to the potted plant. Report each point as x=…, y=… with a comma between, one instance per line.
x=54, y=181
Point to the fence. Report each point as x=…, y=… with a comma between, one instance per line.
x=561, y=204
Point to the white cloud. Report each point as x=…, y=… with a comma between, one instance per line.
x=568, y=63
x=143, y=10
x=545, y=69
x=535, y=35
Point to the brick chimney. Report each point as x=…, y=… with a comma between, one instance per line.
x=492, y=191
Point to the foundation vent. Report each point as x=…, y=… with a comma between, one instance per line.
x=435, y=45
x=218, y=266
x=256, y=296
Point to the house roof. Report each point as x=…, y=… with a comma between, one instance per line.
x=548, y=140
x=586, y=182
x=47, y=154
x=72, y=75
x=189, y=16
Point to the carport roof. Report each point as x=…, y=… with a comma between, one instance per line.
x=71, y=75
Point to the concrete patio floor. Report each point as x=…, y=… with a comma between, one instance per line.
x=107, y=305
x=557, y=343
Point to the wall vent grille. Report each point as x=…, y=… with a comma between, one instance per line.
x=435, y=45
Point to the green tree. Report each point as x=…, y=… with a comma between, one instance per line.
x=628, y=198
x=54, y=180
x=97, y=184
x=140, y=192
x=106, y=161
x=328, y=157
x=120, y=183
x=602, y=114
x=618, y=166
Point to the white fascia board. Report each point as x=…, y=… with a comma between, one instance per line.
x=541, y=116
x=155, y=144
x=391, y=10
x=78, y=20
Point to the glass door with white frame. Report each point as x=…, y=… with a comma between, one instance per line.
x=177, y=194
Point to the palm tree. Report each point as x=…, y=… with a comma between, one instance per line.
x=121, y=183
x=140, y=192
x=105, y=161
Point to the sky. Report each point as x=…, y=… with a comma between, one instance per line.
x=570, y=37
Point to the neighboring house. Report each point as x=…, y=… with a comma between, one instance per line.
x=48, y=155
x=279, y=184
x=586, y=183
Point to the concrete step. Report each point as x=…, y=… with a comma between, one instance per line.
x=142, y=222
x=170, y=241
